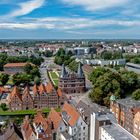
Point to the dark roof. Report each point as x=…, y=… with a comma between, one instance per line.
x=86, y=110
x=63, y=72
x=129, y=103
x=80, y=71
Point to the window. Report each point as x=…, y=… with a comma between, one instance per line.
x=84, y=128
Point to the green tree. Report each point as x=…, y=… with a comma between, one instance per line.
x=117, y=55
x=28, y=68
x=97, y=73
x=4, y=106
x=130, y=81
x=136, y=94
x=104, y=85
x=48, y=53
x=37, y=80
x=73, y=65
x=106, y=55
x=4, y=78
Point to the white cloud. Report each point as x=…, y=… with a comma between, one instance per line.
x=26, y=8
x=93, y=5
x=63, y=23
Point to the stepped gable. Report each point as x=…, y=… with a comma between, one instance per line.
x=15, y=92
x=42, y=89
x=49, y=87
x=70, y=114
x=26, y=93
x=35, y=89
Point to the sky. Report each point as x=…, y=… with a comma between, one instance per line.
x=69, y=19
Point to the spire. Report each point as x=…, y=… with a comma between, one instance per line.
x=112, y=97
x=80, y=71
x=63, y=72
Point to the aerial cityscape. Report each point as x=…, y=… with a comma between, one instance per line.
x=69, y=70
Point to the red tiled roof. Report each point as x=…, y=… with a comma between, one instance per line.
x=59, y=92
x=15, y=64
x=26, y=93
x=35, y=89
x=15, y=92
x=55, y=118
x=41, y=88
x=27, y=129
x=49, y=87
x=2, y=89
x=39, y=119
x=72, y=113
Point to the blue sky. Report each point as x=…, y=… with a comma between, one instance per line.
x=69, y=19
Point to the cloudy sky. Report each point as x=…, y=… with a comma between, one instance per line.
x=69, y=19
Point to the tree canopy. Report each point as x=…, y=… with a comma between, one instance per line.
x=107, y=82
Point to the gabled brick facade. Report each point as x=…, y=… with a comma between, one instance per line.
x=42, y=97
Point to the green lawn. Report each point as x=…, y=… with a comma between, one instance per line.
x=24, y=112
x=56, y=82
x=54, y=75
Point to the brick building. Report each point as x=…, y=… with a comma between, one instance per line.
x=72, y=82
x=13, y=68
x=39, y=97
x=124, y=111
x=136, y=128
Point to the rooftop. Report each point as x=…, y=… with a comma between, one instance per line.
x=118, y=133
x=128, y=102
x=70, y=114
x=15, y=64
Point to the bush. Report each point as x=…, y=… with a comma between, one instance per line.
x=136, y=94
x=4, y=107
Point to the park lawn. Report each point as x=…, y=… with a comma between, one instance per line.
x=55, y=82
x=54, y=75
x=24, y=112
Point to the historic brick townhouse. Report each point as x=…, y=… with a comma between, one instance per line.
x=71, y=82
x=125, y=111
x=39, y=97
x=136, y=128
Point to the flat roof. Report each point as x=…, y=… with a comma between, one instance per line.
x=118, y=133
x=132, y=64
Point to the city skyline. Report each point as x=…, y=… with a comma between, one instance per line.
x=69, y=19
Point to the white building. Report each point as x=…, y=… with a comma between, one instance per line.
x=97, y=120
x=77, y=129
